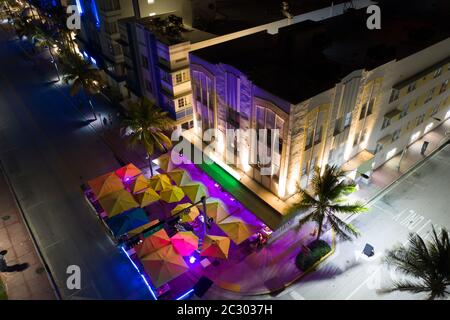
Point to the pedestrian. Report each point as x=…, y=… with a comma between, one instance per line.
x=110, y=116
x=105, y=122
x=3, y=265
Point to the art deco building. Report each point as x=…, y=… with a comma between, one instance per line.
x=338, y=92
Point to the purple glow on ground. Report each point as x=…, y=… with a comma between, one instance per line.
x=215, y=191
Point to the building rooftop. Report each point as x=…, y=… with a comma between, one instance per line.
x=307, y=58
x=171, y=34
x=237, y=15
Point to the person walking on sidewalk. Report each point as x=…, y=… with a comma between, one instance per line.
x=3, y=265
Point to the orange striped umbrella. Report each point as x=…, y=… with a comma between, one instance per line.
x=216, y=247
x=106, y=184
x=164, y=265
x=128, y=172
x=152, y=243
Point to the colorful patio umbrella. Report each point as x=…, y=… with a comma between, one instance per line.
x=215, y=209
x=152, y=243
x=216, y=247
x=139, y=184
x=185, y=242
x=195, y=191
x=180, y=177
x=128, y=172
x=160, y=182
x=237, y=229
x=126, y=221
x=186, y=216
x=147, y=197
x=118, y=202
x=172, y=194
x=164, y=265
x=165, y=163
x=106, y=184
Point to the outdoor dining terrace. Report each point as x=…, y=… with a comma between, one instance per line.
x=175, y=225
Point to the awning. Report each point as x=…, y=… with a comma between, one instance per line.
x=362, y=162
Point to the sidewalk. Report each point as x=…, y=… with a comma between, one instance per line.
x=32, y=283
x=389, y=172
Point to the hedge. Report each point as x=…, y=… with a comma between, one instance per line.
x=319, y=249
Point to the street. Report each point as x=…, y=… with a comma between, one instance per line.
x=47, y=149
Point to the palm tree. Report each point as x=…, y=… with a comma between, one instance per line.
x=6, y=4
x=147, y=124
x=83, y=75
x=57, y=21
x=327, y=199
x=426, y=263
x=43, y=39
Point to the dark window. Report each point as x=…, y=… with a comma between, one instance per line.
x=144, y=62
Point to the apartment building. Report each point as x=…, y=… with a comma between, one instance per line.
x=338, y=92
x=99, y=37
x=157, y=48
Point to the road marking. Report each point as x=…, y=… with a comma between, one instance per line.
x=363, y=283
x=296, y=296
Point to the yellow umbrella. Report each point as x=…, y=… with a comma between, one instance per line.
x=172, y=194
x=216, y=247
x=195, y=191
x=188, y=216
x=140, y=184
x=118, y=202
x=180, y=177
x=237, y=229
x=152, y=243
x=164, y=265
x=165, y=163
x=147, y=197
x=160, y=182
x=185, y=242
x=215, y=209
x=127, y=172
x=106, y=184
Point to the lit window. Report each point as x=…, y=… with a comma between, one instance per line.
x=181, y=102
x=179, y=78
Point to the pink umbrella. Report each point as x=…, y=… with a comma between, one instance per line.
x=185, y=242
